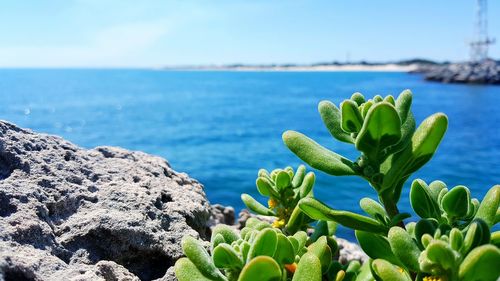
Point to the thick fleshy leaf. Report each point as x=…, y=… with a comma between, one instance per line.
x=323, y=228
x=390, y=99
x=330, y=114
x=425, y=226
x=299, y=176
x=295, y=221
x=309, y=268
x=482, y=263
x=456, y=202
x=387, y=271
x=440, y=252
x=261, y=268
x=424, y=143
x=382, y=128
x=422, y=201
x=319, y=211
x=301, y=237
x=285, y=253
x=321, y=250
x=264, y=186
x=404, y=247
x=477, y=234
x=489, y=206
x=373, y=209
x=403, y=104
x=225, y=256
x=229, y=234
x=283, y=180
x=366, y=108
x=307, y=185
x=254, y=206
x=265, y=244
x=257, y=224
x=351, y=117
x=317, y=156
x=358, y=98
x=495, y=238
x=456, y=239
x=376, y=246
x=200, y=258
x=185, y=270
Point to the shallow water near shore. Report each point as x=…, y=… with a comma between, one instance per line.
x=221, y=127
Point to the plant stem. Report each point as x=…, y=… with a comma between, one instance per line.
x=391, y=208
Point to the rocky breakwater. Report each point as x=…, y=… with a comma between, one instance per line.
x=68, y=213
x=485, y=72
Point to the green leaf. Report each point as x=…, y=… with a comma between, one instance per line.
x=185, y=270
x=295, y=221
x=382, y=128
x=227, y=232
x=422, y=201
x=321, y=250
x=200, y=258
x=482, y=263
x=376, y=246
x=264, y=186
x=403, y=104
x=257, y=224
x=307, y=185
x=323, y=228
x=298, y=178
x=456, y=239
x=373, y=209
x=282, y=180
x=216, y=240
x=404, y=247
x=309, y=268
x=261, y=268
x=319, y=211
x=387, y=271
x=477, y=234
x=424, y=143
x=330, y=114
x=489, y=206
x=352, y=121
x=317, y=156
x=495, y=238
x=455, y=203
x=358, y=98
x=301, y=237
x=265, y=244
x=254, y=206
x=286, y=252
x=224, y=256
x=425, y=226
x=440, y=252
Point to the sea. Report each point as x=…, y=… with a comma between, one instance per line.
x=221, y=127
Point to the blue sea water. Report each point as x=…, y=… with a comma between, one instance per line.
x=221, y=127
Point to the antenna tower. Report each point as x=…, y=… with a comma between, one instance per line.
x=479, y=47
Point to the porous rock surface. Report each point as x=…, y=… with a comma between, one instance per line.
x=68, y=213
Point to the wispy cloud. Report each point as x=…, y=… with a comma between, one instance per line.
x=111, y=46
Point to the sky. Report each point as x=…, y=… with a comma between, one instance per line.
x=153, y=33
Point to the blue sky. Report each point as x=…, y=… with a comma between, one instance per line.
x=126, y=33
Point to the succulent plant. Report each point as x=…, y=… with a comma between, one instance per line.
x=284, y=188
x=258, y=252
x=452, y=240
x=383, y=131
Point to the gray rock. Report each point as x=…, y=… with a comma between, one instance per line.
x=68, y=213
x=485, y=72
x=220, y=214
x=349, y=251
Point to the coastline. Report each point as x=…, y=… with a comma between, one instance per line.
x=307, y=68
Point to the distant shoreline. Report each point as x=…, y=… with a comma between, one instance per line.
x=312, y=68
